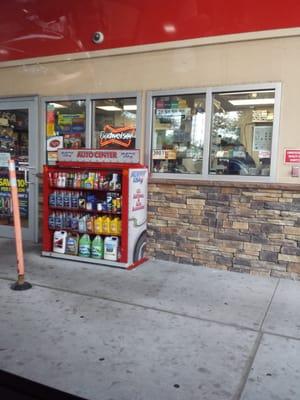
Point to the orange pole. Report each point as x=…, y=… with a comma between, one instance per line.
x=17, y=220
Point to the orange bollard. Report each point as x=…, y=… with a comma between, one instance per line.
x=20, y=284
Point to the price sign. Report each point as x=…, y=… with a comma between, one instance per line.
x=4, y=157
x=292, y=156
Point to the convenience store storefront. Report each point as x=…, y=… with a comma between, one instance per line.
x=212, y=125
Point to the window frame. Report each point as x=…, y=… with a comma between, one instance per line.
x=89, y=98
x=208, y=92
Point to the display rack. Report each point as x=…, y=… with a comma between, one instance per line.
x=78, y=194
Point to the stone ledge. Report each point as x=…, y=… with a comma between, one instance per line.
x=231, y=184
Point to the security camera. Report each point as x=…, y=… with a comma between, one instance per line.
x=98, y=37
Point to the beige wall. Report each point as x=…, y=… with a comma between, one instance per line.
x=256, y=61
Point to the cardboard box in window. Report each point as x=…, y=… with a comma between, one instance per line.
x=163, y=154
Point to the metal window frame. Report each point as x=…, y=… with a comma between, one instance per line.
x=89, y=98
x=209, y=91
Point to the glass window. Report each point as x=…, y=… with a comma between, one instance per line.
x=14, y=140
x=178, y=127
x=65, y=126
x=241, y=133
x=114, y=123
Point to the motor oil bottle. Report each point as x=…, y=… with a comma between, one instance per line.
x=51, y=221
x=82, y=224
x=72, y=244
x=115, y=226
x=106, y=225
x=59, y=241
x=111, y=248
x=98, y=225
x=84, y=249
x=97, y=247
x=67, y=199
x=74, y=222
x=59, y=199
x=89, y=224
x=52, y=199
x=74, y=199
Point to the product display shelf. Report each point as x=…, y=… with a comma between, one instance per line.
x=84, y=189
x=125, y=184
x=117, y=264
x=89, y=233
x=84, y=210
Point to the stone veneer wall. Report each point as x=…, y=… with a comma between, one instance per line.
x=239, y=227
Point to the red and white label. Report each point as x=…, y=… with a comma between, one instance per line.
x=102, y=156
x=292, y=156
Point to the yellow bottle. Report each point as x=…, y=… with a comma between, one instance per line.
x=106, y=225
x=115, y=226
x=98, y=225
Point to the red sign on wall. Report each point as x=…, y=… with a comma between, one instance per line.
x=292, y=156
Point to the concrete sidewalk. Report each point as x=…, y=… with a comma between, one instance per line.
x=162, y=331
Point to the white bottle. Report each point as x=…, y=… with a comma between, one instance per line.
x=113, y=182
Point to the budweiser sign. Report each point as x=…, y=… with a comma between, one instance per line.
x=120, y=136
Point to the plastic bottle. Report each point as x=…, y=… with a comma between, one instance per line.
x=59, y=199
x=81, y=200
x=111, y=248
x=84, y=246
x=72, y=244
x=106, y=225
x=63, y=179
x=82, y=224
x=74, y=222
x=58, y=220
x=51, y=221
x=113, y=182
x=52, y=199
x=66, y=199
x=97, y=247
x=90, y=224
x=98, y=225
x=59, y=241
x=115, y=226
x=89, y=181
x=74, y=199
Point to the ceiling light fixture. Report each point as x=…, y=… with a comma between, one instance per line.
x=56, y=105
x=246, y=92
x=251, y=102
x=109, y=108
x=129, y=107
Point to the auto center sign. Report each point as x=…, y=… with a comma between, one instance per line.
x=99, y=156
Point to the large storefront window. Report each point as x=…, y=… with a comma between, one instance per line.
x=114, y=123
x=65, y=126
x=241, y=133
x=227, y=134
x=178, y=126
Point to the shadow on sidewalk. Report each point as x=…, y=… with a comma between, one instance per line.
x=13, y=387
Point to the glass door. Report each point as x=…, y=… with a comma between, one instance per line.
x=18, y=140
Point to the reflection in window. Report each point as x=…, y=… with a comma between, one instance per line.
x=66, y=126
x=178, y=133
x=241, y=134
x=115, y=123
